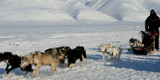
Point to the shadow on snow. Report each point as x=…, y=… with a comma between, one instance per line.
x=140, y=64
x=95, y=57
x=16, y=71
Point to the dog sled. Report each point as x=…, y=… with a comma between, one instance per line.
x=144, y=47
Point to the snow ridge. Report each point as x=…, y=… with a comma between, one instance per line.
x=73, y=11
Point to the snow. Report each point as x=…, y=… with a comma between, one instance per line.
x=36, y=25
x=75, y=11
x=23, y=40
x=87, y=15
x=126, y=10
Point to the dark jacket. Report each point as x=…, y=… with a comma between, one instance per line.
x=151, y=23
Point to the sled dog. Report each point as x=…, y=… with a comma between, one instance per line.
x=135, y=43
x=148, y=40
x=13, y=61
x=38, y=59
x=58, y=53
x=75, y=54
x=112, y=51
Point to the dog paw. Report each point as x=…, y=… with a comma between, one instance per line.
x=36, y=78
x=5, y=76
x=71, y=65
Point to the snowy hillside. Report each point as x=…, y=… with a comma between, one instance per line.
x=36, y=25
x=75, y=11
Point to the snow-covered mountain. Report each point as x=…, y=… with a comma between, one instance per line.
x=73, y=11
x=120, y=20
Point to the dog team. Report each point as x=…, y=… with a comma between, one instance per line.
x=52, y=57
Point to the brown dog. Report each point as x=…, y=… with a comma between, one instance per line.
x=38, y=59
x=58, y=53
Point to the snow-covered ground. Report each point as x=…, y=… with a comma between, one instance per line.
x=23, y=40
x=36, y=25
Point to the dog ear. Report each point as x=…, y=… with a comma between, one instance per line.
x=23, y=57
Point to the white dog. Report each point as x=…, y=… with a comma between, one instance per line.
x=135, y=43
x=112, y=51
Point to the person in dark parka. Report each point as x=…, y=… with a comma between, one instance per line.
x=152, y=26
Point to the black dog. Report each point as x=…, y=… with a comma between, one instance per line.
x=147, y=39
x=75, y=54
x=14, y=61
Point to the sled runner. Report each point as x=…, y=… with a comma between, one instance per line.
x=144, y=47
